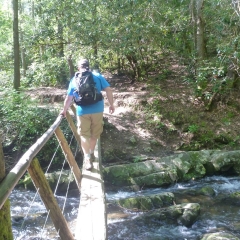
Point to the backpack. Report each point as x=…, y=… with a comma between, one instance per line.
x=86, y=92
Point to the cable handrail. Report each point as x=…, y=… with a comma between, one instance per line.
x=11, y=180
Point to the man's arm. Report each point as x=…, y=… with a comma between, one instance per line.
x=67, y=103
x=109, y=94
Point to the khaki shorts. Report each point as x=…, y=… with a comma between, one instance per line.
x=90, y=125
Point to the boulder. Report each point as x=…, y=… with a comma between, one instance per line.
x=207, y=191
x=184, y=214
x=150, y=202
x=216, y=236
x=175, y=168
x=233, y=198
x=190, y=213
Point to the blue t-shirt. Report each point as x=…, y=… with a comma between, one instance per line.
x=101, y=83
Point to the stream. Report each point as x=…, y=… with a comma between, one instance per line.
x=217, y=214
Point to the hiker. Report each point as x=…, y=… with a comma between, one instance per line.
x=89, y=112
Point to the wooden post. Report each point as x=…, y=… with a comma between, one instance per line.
x=2, y=163
x=69, y=156
x=73, y=109
x=5, y=215
x=49, y=200
x=73, y=128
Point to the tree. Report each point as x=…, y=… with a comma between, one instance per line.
x=16, y=83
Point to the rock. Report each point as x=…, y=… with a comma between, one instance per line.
x=185, y=214
x=190, y=213
x=207, y=191
x=216, y=236
x=147, y=202
x=234, y=198
x=167, y=170
x=224, y=160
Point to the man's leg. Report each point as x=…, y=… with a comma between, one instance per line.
x=85, y=144
x=84, y=123
x=96, y=130
x=93, y=142
x=90, y=126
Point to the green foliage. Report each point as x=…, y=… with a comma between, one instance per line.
x=5, y=41
x=51, y=72
x=21, y=119
x=193, y=128
x=137, y=159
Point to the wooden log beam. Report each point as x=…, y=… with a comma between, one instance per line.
x=73, y=128
x=41, y=184
x=11, y=180
x=92, y=221
x=69, y=156
x=73, y=108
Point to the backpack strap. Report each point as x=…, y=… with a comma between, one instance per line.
x=99, y=81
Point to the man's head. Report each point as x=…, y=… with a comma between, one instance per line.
x=83, y=65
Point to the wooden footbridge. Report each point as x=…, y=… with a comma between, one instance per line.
x=91, y=222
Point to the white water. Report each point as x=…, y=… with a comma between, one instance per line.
x=216, y=213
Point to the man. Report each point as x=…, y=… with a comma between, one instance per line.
x=90, y=117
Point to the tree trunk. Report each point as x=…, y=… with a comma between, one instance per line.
x=193, y=19
x=22, y=48
x=60, y=34
x=134, y=64
x=201, y=48
x=16, y=83
x=23, y=56
x=5, y=216
x=71, y=66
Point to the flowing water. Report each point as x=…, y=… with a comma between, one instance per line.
x=217, y=213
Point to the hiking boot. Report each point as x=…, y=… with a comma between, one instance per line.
x=88, y=164
x=92, y=157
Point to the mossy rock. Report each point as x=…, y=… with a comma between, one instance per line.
x=153, y=180
x=190, y=213
x=207, y=191
x=139, y=203
x=147, y=202
x=234, y=198
x=221, y=235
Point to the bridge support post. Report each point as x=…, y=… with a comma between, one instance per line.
x=5, y=216
x=69, y=156
x=49, y=200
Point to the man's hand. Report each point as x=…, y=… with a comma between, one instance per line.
x=63, y=113
x=111, y=109
x=67, y=103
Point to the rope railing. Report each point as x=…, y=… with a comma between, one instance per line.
x=55, y=190
x=27, y=162
x=11, y=180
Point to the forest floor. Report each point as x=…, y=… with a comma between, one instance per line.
x=133, y=134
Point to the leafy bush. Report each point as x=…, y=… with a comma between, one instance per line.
x=51, y=72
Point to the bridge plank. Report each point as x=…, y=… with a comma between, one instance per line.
x=91, y=222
